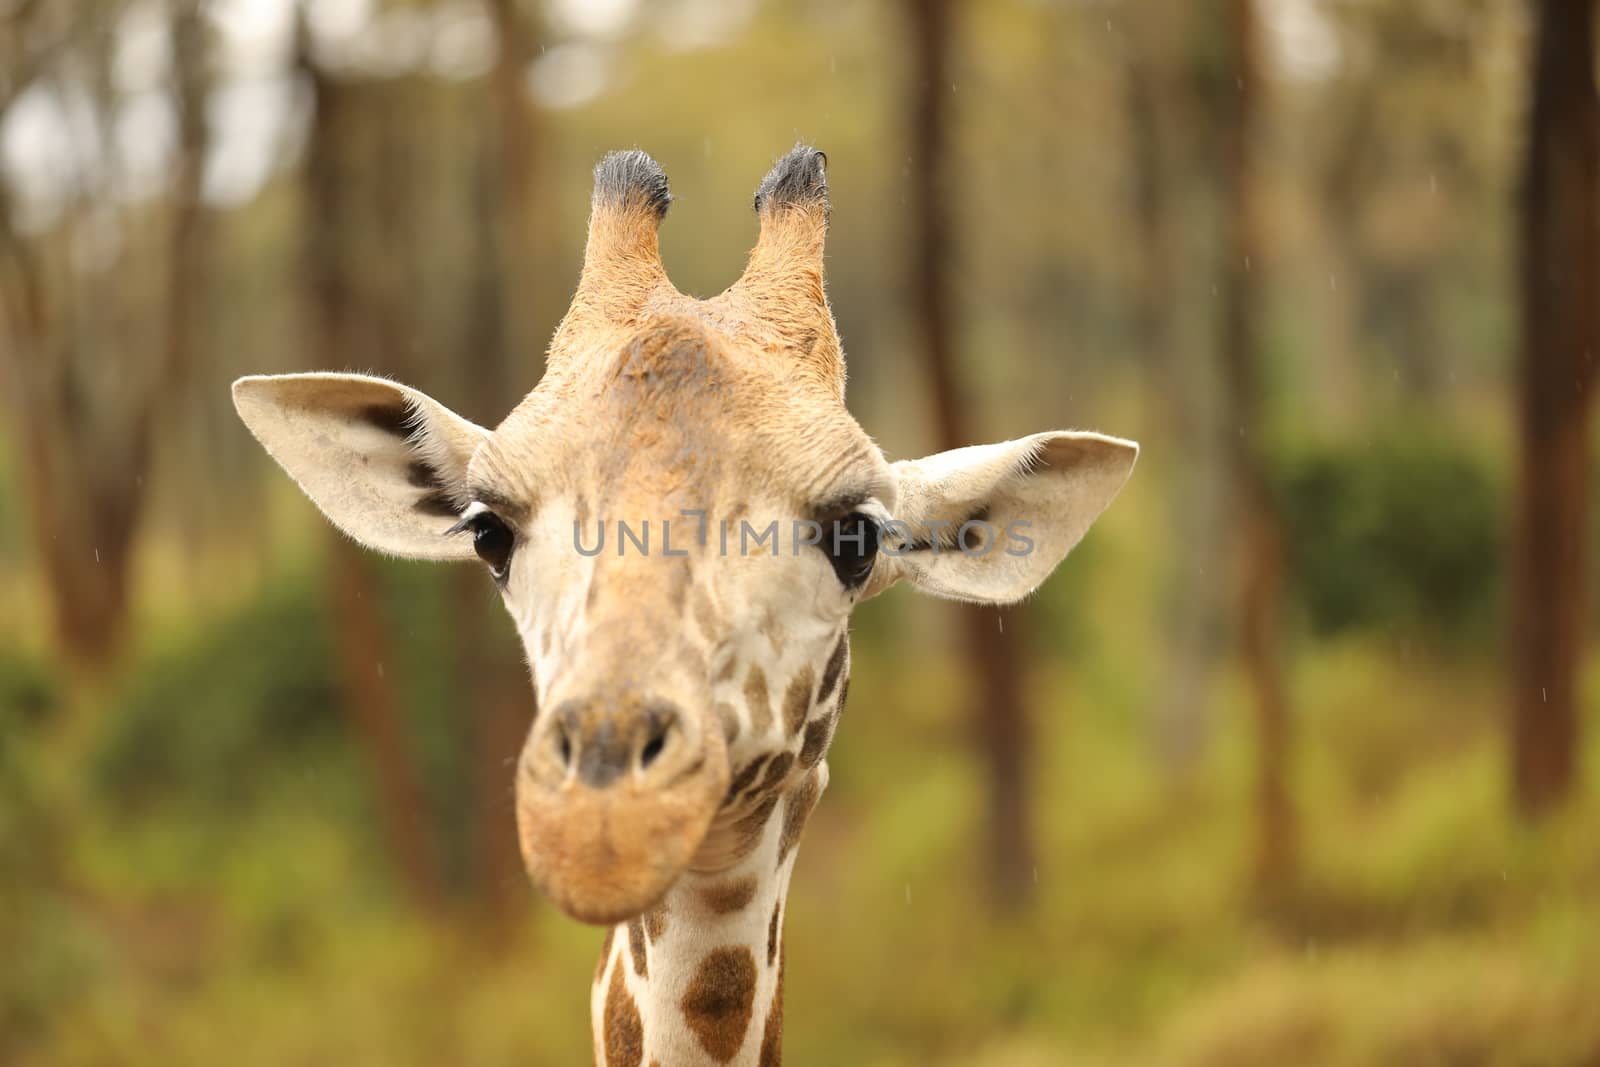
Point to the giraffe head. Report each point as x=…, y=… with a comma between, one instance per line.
x=680, y=518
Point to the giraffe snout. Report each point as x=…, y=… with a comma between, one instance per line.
x=615, y=792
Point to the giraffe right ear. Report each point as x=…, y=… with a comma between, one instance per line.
x=386, y=463
x=988, y=523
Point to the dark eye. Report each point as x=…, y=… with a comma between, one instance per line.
x=851, y=544
x=493, y=541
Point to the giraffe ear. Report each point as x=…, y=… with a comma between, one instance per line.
x=386, y=463
x=990, y=523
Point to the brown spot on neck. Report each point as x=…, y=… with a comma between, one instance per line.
x=772, y=932
x=655, y=922
x=727, y=897
x=755, y=695
x=742, y=780
x=797, y=701
x=720, y=999
x=816, y=742
x=776, y=771
x=772, y=1033
x=748, y=830
x=605, y=955
x=830, y=673
x=796, y=809
x=624, y=1030
x=641, y=965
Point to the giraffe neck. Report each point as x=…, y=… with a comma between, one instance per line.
x=698, y=979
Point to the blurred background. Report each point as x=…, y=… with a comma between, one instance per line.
x=1286, y=763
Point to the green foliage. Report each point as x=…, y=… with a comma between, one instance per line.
x=208, y=718
x=28, y=695
x=1394, y=530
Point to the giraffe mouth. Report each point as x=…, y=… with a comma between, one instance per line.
x=605, y=854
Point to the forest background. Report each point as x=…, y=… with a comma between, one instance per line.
x=1293, y=761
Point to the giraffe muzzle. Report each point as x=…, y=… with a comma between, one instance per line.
x=614, y=798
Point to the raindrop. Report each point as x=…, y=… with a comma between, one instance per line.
x=97, y=555
x=380, y=669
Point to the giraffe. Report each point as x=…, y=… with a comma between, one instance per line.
x=680, y=517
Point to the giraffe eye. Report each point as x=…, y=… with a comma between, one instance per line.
x=492, y=540
x=851, y=543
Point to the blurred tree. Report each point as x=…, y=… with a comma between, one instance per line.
x=337, y=319
x=1560, y=343
x=186, y=287
x=1180, y=416
x=522, y=191
x=87, y=369
x=1260, y=539
x=1398, y=172
x=997, y=658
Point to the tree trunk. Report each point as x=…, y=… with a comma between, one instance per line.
x=995, y=655
x=187, y=242
x=1180, y=412
x=368, y=694
x=1560, y=280
x=362, y=645
x=85, y=448
x=1260, y=535
x=521, y=191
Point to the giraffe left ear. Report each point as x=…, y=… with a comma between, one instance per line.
x=385, y=462
x=989, y=523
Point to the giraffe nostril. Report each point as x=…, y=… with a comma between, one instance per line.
x=661, y=720
x=564, y=748
x=652, y=749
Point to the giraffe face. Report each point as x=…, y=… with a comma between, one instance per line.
x=680, y=558
x=680, y=517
